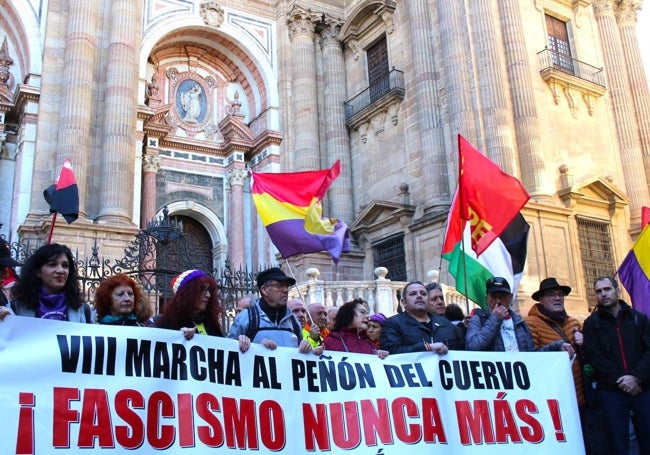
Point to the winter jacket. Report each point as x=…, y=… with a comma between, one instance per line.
x=348, y=339
x=74, y=314
x=484, y=334
x=617, y=346
x=403, y=333
x=543, y=334
x=285, y=332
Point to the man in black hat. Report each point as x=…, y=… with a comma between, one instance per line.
x=268, y=321
x=499, y=328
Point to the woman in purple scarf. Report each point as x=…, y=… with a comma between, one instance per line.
x=48, y=287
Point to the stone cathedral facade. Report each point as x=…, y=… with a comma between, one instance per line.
x=170, y=103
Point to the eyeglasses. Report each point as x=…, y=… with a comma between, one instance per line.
x=276, y=285
x=205, y=290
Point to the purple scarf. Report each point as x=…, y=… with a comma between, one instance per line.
x=52, y=306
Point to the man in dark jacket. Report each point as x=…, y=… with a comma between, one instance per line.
x=617, y=344
x=416, y=329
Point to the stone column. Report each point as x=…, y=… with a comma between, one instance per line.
x=78, y=101
x=302, y=25
x=527, y=130
x=434, y=159
x=236, y=251
x=622, y=106
x=627, y=19
x=336, y=135
x=150, y=168
x=120, y=113
x=492, y=92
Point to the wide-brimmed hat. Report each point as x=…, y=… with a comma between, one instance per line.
x=5, y=256
x=273, y=274
x=547, y=284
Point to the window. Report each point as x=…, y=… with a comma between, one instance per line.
x=378, y=68
x=558, y=43
x=389, y=253
x=595, y=252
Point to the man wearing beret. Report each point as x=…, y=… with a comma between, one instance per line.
x=267, y=320
x=549, y=322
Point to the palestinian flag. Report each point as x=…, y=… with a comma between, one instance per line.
x=505, y=257
x=63, y=196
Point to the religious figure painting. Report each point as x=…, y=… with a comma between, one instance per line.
x=191, y=101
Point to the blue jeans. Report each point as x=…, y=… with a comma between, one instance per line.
x=616, y=407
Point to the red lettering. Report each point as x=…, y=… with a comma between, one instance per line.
x=25, y=437
x=345, y=425
x=431, y=421
x=63, y=415
x=131, y=435
x=211, y=434
x=376, y=422
x=160, y=405
x=272, y=427
x=402, y=408
x=95, y=420
x=240, y=424
x=186, y=420
x=474, y=426
x=534, y=432
x=504, y=423
x=316, y=427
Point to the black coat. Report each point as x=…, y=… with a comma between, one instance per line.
x=402, y=333
x=602, y=333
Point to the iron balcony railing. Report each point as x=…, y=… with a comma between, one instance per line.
x=393, y=81
x=553, y=60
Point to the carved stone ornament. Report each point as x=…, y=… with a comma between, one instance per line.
x=191, y=97
x=212, y=14
x=5, y=62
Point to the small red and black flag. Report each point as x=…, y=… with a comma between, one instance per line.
x=63, y=196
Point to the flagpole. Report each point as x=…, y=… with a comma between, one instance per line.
x=463, y=258
x=286, y=260
x=49, y=235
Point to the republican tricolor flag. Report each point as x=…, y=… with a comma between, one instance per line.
x=485, y=213
x=289, y=205
x=634, y=272
x=63, y=196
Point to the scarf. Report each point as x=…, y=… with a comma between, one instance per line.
x=129, y=319
x=557, y=317
x=52, y=306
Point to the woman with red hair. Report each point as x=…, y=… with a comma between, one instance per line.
x=195, y=307
x=119, y=301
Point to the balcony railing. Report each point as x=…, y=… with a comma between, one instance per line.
x=550, y=60
x=391, y=84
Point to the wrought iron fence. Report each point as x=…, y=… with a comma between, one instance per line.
x=156, y=255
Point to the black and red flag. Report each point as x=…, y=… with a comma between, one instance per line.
x=63, y=196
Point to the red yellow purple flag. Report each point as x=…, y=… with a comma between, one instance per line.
x=289, y=205
x=489, y=198
x=634, y=272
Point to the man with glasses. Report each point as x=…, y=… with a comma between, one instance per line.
x=267, y=320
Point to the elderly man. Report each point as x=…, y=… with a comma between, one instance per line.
x=436, y=299
x=617, y=344
x=549, y=322
x=499, y=328
x=416, y=329
x=268, y=321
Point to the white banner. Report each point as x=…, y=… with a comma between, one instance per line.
x=74, y=387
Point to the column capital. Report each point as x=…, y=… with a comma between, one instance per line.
x=237, y=177
x=329, y=32
x=627, y=12
x=151, y=163
x=302, y=22
x=602, y=7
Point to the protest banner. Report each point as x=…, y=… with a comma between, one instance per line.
x=69, y=387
